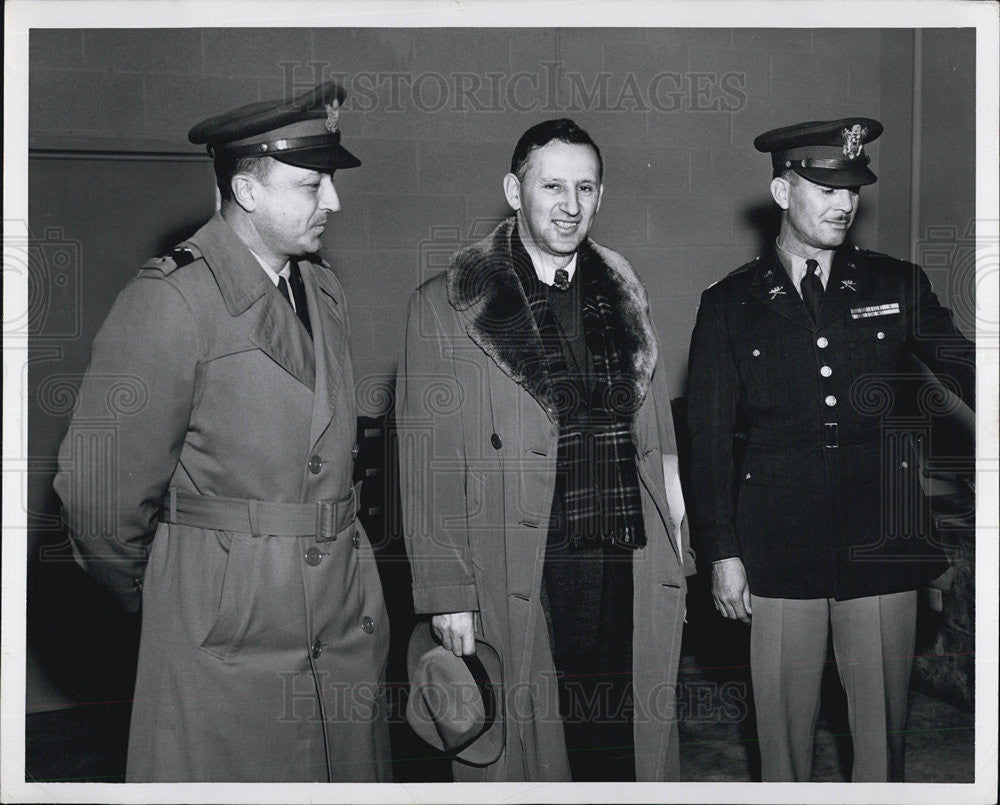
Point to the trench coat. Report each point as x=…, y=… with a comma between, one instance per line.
x=832, y=417
x=478, y=441
x=261, y=657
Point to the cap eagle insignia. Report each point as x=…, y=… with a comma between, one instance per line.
x=332, y=114
x=854, y=140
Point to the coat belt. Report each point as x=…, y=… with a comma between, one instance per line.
x=322, y=519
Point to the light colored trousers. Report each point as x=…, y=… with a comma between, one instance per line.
x=873, y=642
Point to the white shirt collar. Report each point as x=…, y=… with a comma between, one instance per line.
x=796, y=265
x=272, y=275
x=547, y=274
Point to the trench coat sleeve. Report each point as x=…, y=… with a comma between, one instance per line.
x=938, y=343
x=713, y=395
x=432, y=467
x=127, y=430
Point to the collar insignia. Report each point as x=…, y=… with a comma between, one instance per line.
x=776, y=291
x=332, y=113
x=850, y=285
x=854, y=140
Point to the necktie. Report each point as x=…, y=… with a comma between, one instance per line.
x=561, y=280
x=812, y=289
x=299, y=292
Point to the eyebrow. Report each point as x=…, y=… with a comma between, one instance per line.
x=589, y=180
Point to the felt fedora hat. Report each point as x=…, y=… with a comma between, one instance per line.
x=456, y=703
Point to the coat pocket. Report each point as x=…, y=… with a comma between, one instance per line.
x=768, y=500
x=235, y=605
x=876, y=344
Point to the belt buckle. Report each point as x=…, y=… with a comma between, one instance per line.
x=831, y=433
x=326, y=524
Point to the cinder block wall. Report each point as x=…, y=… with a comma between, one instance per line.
x=434, y=115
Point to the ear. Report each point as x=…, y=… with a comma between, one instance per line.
x=779, y=191
x=244, y=191
x=600, y=195
x=512, y=191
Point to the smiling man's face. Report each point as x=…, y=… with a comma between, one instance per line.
x=558, y=197
x=817, y=217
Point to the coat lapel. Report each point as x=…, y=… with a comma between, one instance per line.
x=278, y=333
x=247, y=291
x=330, y=337
x=772, y=287
x=485, y=291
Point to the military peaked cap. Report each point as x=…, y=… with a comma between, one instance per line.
x=827, y=152
x=302, y=132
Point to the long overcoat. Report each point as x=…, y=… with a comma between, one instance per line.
x=478, y=442
x=833, y=416
x=261, y=657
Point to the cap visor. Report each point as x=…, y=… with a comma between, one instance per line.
x=838, y=178
x=321, y=158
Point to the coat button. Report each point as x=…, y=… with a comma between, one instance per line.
x=354, y=451
x=826, y=371
x=313, y=557
x=756, y=353
x=831, y=401
x=880, y=335
x=367, y=624
x=356, y=540
x=905, y=465
x=315, y=465
x=822, y=342
x=495, y=441
x=317, y=649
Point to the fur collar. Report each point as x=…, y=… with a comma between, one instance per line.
x=484, y=289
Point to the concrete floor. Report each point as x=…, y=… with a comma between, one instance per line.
x=718, y=736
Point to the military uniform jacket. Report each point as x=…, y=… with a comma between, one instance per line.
x=826, y=501
x=261, y=657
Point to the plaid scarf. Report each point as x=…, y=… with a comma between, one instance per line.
x=596, y=474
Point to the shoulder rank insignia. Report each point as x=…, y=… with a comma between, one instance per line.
x=182, y=255
x=179, y=257
x=777, y=291
x=849, y=285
